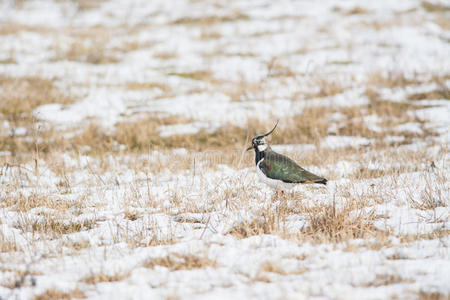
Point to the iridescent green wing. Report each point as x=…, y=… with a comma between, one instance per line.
x=280, y=167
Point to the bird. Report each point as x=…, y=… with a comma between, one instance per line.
x=279, y=171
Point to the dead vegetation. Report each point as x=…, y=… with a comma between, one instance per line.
x=21, y=95
x=148, y=86
x=435, y=6
x=390, y=79
x=334, y=224
x=84, y=5
x=57, y=228
x=269, y=268
x=18, y=99
x=176, y=262
x=87, y=46
x=51, y=226
x=141, y=134
x=442, y=92
x=439, y=233
x=321, y=87
x=201, y=75
x=324, y=223
x=426, y=295
x=102, y=277
x=95, y=45
x=8, y=245
x=386, y=279
x=24, y=203
x=266, y=223
x=210, y=20
x=135, y=146
x=54, y=294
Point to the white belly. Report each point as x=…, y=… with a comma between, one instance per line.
x=276, y=184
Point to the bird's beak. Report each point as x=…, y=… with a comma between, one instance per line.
x=249, y=148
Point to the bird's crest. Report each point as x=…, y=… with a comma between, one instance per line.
x=260, y=141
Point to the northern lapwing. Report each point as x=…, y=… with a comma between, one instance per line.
x=279, y=171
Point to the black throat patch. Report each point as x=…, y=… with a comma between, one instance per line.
x=259, y=155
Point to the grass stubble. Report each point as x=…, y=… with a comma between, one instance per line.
x=33, y=147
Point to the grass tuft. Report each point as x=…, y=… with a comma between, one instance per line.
x=176, y=262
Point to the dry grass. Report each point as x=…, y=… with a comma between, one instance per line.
x=442, y=92
x=88, y=46
x=309, y=127
x=176, y=262
x=210, y=20
x=149, y=234
x=202, y=75
x=387, y=279
x=20, y=96
x=54, y=294
x=140, y=240
x=274, y=267
x=93, y=45
x=102, y=277
x=325, y=223
x=270, y=268
x=324, y=88
x=389, y=79
x=148, y=86
x=84, y=5
x=131, y=215
x=9, y=28
x=330, y=223
x=20, y=202
x=210, y=34
x=18, y=277
x=9, y=60
x=76, y=245
x=57, y=228
x=432, y=296
x=128, y=149
x=266, y=223
x=435, y=234
x=442, y=21
x=51, y=226
x=432, y=196
x=94, y=52
x=428, y=200
x=165, y=55
x=357, y=11
x=7, y=245
x=142, y=135
x=435, y=6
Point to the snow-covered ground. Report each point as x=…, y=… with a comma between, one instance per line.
x=178, y=224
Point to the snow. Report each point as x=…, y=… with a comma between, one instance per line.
x=135, y=208
x=411, y=127
x=334, y=142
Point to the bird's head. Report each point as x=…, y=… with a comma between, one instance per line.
x=259, y=143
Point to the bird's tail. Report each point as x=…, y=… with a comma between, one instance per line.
x=322, y=181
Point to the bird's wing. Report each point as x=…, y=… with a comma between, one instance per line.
x=280, y=167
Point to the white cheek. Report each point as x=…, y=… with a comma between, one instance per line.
x=262, y=147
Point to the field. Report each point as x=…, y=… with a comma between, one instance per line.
x=123, y=129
